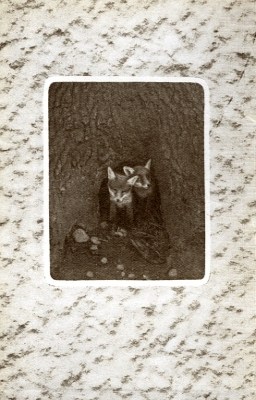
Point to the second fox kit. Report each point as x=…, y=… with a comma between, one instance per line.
x=143, y=186
x=120, y=190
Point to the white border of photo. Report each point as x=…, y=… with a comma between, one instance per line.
x=131, y=283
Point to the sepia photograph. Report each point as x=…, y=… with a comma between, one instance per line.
x=126, y=180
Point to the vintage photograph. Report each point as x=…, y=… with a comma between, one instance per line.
x=128, y=208
x=126, y=180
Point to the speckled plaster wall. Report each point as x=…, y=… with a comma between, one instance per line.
x=115, y=343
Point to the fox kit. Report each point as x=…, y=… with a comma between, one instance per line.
x=120, y=191
x=143, y=186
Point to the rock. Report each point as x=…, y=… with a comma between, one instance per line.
x=121, y=232
x=123, y=274
x=120, y=267
x=80, y=236
x=89, y=274
x=104, y=260
x=104, y=224
x=173, y=273
x=131, y=276
x=95, y=240
x=94, y=247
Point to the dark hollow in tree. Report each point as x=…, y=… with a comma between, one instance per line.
x=149, y=207
x=94, y=125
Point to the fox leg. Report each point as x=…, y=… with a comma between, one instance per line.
x=129, y=212
x=112, y=212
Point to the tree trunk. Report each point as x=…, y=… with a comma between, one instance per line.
x=95, y=125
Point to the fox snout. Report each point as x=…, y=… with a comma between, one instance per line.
x=143, y=185
x=117, y=197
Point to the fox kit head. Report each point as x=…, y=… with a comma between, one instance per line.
x=143, y=173
x=120, y=187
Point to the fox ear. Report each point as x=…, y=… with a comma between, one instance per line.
x=148, y=164
x=111, y=174
x=128, y=171
x=131, y=181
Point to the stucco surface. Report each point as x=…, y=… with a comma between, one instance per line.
x=114, y=343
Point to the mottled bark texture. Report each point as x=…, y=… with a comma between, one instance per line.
x=95, y=125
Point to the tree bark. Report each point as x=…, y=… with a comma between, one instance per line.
x=95, y=125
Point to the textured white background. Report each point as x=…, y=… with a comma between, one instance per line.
x=117, y=343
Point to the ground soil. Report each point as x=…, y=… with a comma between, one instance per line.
x=141, y=252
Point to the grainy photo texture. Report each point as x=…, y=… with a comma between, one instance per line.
x=126, y=181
